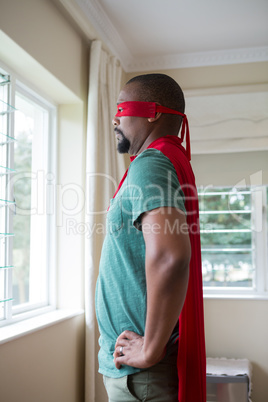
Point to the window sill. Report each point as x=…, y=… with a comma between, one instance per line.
x=241, y=296
x=18, y=329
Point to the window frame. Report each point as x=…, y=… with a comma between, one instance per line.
x=29, y=310
x=260, y=288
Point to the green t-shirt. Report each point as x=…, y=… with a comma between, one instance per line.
x=151, y=183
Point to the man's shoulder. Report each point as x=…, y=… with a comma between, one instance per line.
x=149, y=152
x=149, y=156
x=151, y=166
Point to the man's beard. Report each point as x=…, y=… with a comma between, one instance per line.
x=123, y=143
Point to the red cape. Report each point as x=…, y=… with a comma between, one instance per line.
x=192, y=354
x=191, y=361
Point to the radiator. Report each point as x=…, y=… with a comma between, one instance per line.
x=228, y=380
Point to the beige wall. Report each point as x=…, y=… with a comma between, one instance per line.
x=230, y=169
x=44, y=366
x=234, y=328
x=42, y=31
x=216, y=76
x=43, y=48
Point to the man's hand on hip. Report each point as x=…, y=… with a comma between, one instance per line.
x=129, y=350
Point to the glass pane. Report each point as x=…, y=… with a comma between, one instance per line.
x=225, y=200
x=29, y=251
x=215, y=220
x=227, y=268
x=222, y=240
x=226, y=238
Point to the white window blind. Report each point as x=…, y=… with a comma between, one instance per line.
x=228, y=119
x=6, y=169
x=27, y=201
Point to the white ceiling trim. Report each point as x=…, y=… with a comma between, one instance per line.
x=199, y=59
x=96, y=15
x=106, y=30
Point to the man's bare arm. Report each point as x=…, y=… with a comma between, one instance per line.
x=167, y=269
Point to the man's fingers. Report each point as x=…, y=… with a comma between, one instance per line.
x=117, y=351
x=118, y=358
x=126, y=344
x=117, y=363
x=128, y=335
x=121, y=342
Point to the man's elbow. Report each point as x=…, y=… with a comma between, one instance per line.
x=179, y=258
x=175, y=264
x=180, y=263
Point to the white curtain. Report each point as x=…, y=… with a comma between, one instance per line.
x=104, y=168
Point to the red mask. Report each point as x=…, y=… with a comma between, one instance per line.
x=149, y=109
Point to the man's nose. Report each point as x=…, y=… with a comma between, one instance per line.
x=115, y=121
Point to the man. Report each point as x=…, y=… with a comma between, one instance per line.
x=149, y=292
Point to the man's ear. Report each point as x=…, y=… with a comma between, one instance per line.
x=155, y=118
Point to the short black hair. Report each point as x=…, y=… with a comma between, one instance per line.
x=160, y=88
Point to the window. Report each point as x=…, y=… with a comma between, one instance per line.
x=233, y=226
x=27, y=130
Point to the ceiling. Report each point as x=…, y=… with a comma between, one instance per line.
x=162, y=34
